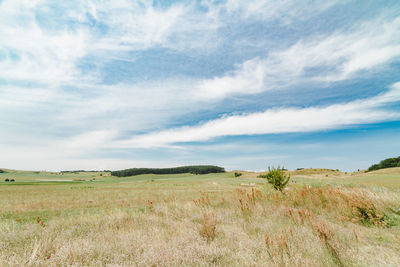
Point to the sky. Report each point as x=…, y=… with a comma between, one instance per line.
x=115, y=84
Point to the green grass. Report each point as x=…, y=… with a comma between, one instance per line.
x=390, y=180
x=33, y=178
x=386, y=180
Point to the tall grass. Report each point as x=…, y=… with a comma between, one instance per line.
x=198, y=224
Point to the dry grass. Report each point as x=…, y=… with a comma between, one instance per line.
x=209, y=229
x=197, y=223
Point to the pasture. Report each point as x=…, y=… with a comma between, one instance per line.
x=324, y=218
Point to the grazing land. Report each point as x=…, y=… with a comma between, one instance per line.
x=323, y=218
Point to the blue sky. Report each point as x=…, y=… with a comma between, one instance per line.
x=120, y=84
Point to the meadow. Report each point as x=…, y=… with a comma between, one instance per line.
x=323, y=218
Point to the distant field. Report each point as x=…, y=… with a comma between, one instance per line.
x=93, y=219
x=386, y=177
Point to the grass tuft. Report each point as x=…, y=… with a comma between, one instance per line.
x=209, y=228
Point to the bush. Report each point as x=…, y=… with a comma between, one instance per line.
x=12, y=180
x=6, y=180
x=237, y=174
x=277, y=177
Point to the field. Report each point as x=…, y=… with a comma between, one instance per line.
x=324, y=218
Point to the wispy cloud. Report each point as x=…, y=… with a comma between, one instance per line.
x=34, y=49
x=31, y=53
x=267, y=10
x=139, y=25
x=331, y=58
x=284, y=120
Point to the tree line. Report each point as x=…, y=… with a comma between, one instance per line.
x=386, y=163
x=197, y=169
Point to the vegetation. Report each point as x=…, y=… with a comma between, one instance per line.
x=200, y=169
x=386, y=163
x=2, y=171
x=277, y=177
x=237, y=174
x=180, y=220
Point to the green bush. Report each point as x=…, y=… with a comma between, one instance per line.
x=237, y=174
x=277, y=177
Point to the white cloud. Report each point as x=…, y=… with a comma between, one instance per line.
x=329, y=58
x=31, y=49
x=28, y=158
x=141, y=25
x=45, y=45
x=285, y=10
x=31, y=53
x=88, y=141
x=280, y=121
x=60, y=153
x=137, y=107
x=14, y=97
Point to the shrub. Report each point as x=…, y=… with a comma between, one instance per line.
x=237, y=174
x=12, y=180
x=6, y=180
x=277, y=177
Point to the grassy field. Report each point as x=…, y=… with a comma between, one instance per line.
x=324, y=218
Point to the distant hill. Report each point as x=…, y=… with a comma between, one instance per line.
x=384, y=171
x=197, y=169
x=386, y=163
x=314, y=171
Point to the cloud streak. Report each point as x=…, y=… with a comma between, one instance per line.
x=273, y=121
x=331, y=58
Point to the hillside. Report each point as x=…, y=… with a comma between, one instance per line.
x=395, y=170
